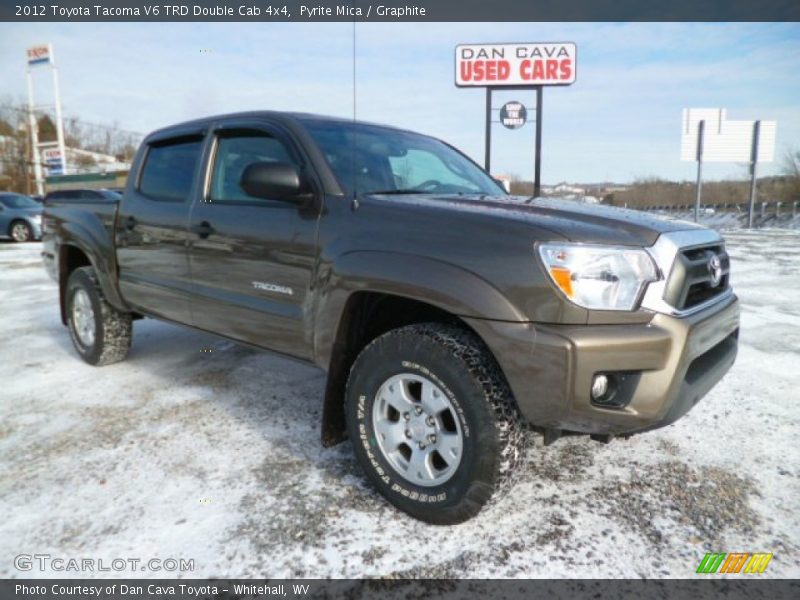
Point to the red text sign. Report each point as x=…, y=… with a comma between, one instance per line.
x=481, y=65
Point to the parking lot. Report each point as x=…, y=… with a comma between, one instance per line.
x=201, y=449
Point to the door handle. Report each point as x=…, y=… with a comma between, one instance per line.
x=203, y=230
x=130, y=223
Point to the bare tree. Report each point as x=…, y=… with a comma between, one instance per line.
x=790, y=167
x=15, y=161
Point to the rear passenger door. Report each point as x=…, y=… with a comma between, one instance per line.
x=252, y=258
x=152, y=233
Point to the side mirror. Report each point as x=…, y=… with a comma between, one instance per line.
x=272, y=181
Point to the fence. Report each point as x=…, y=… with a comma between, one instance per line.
x=735, y=215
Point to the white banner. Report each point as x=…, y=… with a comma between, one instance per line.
x=724, y=140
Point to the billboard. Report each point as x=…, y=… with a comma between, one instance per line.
x=526, y=64
x=725, y=140
x=40, y=54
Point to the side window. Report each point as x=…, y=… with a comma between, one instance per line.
x=234, y=153
x=64, y=195
x=169, y=170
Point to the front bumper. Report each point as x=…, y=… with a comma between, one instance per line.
x=673, y=362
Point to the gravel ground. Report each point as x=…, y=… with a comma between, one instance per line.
x=201, y=449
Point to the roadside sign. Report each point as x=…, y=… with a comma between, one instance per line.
x=513, y=115
x=725, y=140
x=708, y=136
x=51, y=157
x=527, y=64
x=40, y=54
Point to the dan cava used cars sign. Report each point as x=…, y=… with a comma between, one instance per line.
x=545, y=63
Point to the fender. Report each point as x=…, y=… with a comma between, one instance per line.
x=440, y=284
x=93, y=240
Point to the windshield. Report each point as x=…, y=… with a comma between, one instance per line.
x=369, y=159
x=17, y=201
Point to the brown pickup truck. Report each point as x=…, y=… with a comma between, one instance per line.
x=451, y=318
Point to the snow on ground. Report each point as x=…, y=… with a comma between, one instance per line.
x=215, y=456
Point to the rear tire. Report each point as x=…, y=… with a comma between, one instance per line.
x=433, y=421
x=20, y=232
x=100, y=333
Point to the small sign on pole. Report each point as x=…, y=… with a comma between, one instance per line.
x=513, y=115
x=40, y=54
x=53, y=160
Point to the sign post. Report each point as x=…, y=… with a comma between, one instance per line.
x=34, y=128
x=537, y=166
x=753, y=161
x=527, y=66
x=487, y=138
x=700, y=131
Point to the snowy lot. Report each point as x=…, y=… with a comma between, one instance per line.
x=215, y=456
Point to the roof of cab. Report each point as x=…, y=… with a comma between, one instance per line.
x=273, y=114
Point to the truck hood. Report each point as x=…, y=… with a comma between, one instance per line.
x=575, y=221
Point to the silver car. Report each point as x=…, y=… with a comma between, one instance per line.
x=20, y=217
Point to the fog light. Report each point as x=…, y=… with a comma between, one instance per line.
x=599, y=387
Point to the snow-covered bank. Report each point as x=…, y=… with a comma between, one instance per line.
x=215, y=456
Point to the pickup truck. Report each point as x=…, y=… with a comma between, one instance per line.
x=452, y=318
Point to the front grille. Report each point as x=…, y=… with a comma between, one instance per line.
x=691, y=282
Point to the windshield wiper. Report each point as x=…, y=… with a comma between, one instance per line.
x=400, y=191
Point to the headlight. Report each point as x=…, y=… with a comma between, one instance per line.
x=37, y=219
x=599, y=277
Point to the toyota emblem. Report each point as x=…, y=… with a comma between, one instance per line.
x=715, y=270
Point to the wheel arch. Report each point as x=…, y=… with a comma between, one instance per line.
x=401, y=289
x=367, y=315
x=70, y=257
x=74, y=254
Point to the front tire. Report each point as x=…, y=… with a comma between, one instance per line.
x=433, y=421
x=21, y=232
x=100, y=333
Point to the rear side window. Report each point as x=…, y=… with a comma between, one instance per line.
x=169, y=170
x=63, y=195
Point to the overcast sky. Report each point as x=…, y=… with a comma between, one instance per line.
x=618, y=122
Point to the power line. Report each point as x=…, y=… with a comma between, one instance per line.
x=77, y=119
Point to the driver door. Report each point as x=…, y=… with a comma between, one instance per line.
x=251, y=259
